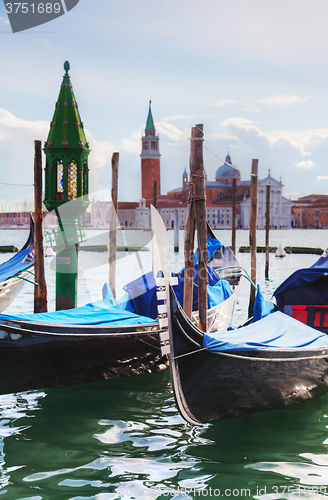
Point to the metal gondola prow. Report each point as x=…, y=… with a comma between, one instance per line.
x=161, y=266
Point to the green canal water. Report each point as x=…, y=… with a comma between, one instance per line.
x=125, y=438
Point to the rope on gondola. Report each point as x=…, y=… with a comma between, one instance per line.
x=250, y=358
x=187, y=353
x=150, y=345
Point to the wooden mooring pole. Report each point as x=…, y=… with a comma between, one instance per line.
x=40, y=291
x=252, y=233
x=176, y=230
x=189, y=253
x=267, y=231
x=197, y=174
x=113, y=225
x=234, y=216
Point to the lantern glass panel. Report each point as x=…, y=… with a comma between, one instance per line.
x=72, y=180
x=60, y=180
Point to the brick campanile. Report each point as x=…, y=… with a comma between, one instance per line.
x=150, y=159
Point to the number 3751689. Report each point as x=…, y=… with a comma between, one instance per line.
x=33, y=8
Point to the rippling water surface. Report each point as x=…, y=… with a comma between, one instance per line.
x=125, y=438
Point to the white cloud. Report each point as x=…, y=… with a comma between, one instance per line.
x=322, y=177
x=99, y=158
x=224, y=102
x=172, y=132
x=9, y=124
x=282, y=100
x=238, y=122
x=302, y=140
x=304, y=164
x=17, y=138
x=226, y=136
x=252, y=108
x=132, y=145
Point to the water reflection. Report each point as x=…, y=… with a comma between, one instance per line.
x=125, y=439
x=12, y=408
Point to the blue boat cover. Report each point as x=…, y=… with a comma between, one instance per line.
x=305, y=286
x=212, y=246
x=123, y=302
x=96, y=313
x=277, y=330
x=262, y=307
x=20, y=261
x=142, y=291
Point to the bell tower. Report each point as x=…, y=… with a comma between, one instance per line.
x=150, y=159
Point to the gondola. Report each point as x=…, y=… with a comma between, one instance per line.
x=98, y=341
x=16, y=271
x=108, y=343
x=275, y=362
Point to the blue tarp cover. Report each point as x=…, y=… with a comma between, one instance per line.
x=142, y=291
x=123, y=302
x=20, y=261
x=302, y=277
x=212, y=246
x=96, y=313
x=300, y=287
x=277, y=330
x=262, y=307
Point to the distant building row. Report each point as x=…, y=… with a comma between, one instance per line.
x=306, y=212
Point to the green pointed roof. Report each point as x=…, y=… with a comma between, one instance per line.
x=66, y=128
x=150, y=122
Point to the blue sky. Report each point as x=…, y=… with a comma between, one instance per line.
x=253, y=72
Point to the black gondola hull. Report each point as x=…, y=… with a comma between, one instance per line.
x=215, y=386
x=37, y=356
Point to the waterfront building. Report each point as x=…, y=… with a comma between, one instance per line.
x=310, y=211
x=100, y=213
x=280, y=207
x=8, y=219
x=22, y=219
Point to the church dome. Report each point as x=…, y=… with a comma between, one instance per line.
x=226, y=171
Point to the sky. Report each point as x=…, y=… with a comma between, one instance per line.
x=253, y=72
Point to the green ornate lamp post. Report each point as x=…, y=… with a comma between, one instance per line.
x=66, y=187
